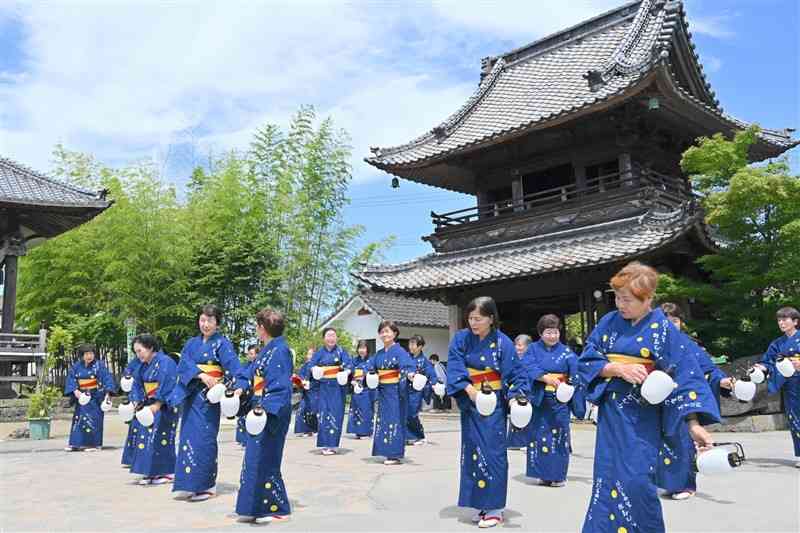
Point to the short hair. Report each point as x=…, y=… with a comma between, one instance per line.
x=146, y=340
x=522, y=337
x=391, y=325
x=272, y=321
x=640, y=279
x=433, y=357
x=363, y=343
x=672, y=309
x=788, y=312
x=419, y=340
x=329, y=328
x=486, y=306
x=86, y=347
x=252, y=347
x=211, y=310
x=547, y=322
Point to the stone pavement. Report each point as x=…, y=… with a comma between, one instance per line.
x=45, y=488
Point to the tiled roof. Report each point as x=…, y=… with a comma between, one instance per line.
x=565, y=250
x=573, y=70
x=407, y=310
x=21, y=185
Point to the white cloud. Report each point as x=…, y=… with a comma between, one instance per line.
x=711, y=64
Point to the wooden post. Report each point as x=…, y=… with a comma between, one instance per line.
x=517, y=194
x=454, y=316
x=626, y=169
x=9, y=294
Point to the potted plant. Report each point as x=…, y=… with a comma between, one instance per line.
x=41, y=403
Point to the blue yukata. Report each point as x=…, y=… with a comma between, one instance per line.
x=135, y=395
x=519, y=438
x=87, y=422
x=331, y=395
x=305, y=421
x=361, y=415
x=484, y=457
x=155, y=446
x=244, y=407
x=262, y=491
x=415, y=398
x=392, y=365
x=630, y=430
x=196, y=464
x=790, y=388
x=675, y=465
x=550, y=445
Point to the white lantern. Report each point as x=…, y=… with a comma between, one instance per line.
x=317, y=372
x=721, y=459
x=357, y=388
x=84, y=398
x=757, y=375
x=372, y=380
x=126, y=383
x=439, y=389
x=229, y=404
x=255, y=421
x=341, y=377
x=486, y=401
x=215, y=393
x=744, y=389
x=106, y=405
x=785, y=367
x=521, y=412
x=126, y=410
x=564, y=392
x=306, y=384
x=657, y=387
x=145, y=416
x=419, y=382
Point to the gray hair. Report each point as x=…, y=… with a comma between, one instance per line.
x=523, y=338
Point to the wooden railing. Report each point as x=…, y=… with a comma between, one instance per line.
x=671, y=189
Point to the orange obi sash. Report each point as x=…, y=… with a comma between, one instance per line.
x=258, y=385
x=150, y=388
x=649, y=364
x=487, y=374
x=389, y=376
x=214, y=370
x=358, y=373
x=87, y=384
x=329, y=372
x=561, y=377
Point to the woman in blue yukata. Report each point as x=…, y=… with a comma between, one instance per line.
x=393, y=366
x=625, y=347
x=415, y=432
x=330, y=360
x=306, y=419
x=518, y=439
x=88, y=378
x=155, y=445
x=547, y=365
x=361, y=415
x=786, y=346
x=482, y=361
x=674, y=469
x=241, y=432
x=205, y=361
x=262, y=494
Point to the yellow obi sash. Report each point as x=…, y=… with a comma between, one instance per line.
x=359, y=373
x=150, y=388
x=389, y=376
x=649, y=364
x=560, y=377
x=329, y=372
x=487, y=374
x=87, y=384
x=258, y=385
x=212, y=369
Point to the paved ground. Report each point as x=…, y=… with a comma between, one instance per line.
x=45, y=488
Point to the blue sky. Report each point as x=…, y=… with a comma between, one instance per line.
x=176, y=81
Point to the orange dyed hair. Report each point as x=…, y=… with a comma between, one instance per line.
x=640, y=279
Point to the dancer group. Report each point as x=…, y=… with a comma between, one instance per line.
x=641, y=445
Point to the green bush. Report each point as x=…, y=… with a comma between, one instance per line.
x=42, y=401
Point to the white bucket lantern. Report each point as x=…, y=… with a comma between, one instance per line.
x=565, y=392
x=721, y=459
x=486, y=400
x=215, y=393
x=125, y=411
x=744, y=389
x=357, y=388
x=341, y=377
x=419, y=381
x=439, y=389
x=145, y=416
x=256, y=421
x=785, y=367
x=84, y=398
x=317, y=372
x=306, y=384
x=521, y=412
x=126, y=383
x=757, y=375
x=657, y=387
x=372, y=380
x=106, y=405
x=229, y=404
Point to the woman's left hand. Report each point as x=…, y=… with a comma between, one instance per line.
x=155, y=407
x=703, y=440
x=727, y=383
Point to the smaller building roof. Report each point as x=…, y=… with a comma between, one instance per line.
x=21, y=185
x=404, y=310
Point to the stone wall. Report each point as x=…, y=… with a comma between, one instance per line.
x=16, y=410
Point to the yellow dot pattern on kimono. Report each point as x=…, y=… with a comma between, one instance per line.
x=88, y=430
x=555, y=431
x=612, y=517
x=654, y=325
x=667, y=460
x=141, y=446
x=188, y=469
x=474, y=456
x=481, y=483
x=693, y=395
x=163, y=442
x=644, y=352
x=545, y=449
x=265, y=502
x=613, y=493
x=267, y=485
x=605, y=338
x=273, y=508
x=332, y=432
x=135, y=430
x=185, y=447
x=622, y=530
x=639, y=339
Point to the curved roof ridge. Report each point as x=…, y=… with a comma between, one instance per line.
x=38, y=175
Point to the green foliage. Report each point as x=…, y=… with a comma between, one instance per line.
x=43, y=401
